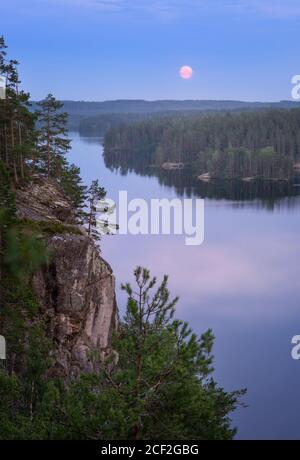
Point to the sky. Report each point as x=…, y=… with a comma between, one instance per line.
x=98, y=50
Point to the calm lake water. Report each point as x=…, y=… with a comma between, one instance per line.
x=243, y=282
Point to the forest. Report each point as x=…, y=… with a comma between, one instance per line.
x=161, y=386
x=262, y=144
x=95, y=118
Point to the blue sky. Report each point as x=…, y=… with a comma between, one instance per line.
x=115, y=49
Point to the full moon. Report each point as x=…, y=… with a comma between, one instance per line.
x=186, y=72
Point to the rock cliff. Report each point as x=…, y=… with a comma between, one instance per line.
x=76, y=290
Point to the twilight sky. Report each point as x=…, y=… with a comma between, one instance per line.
x=119, y=49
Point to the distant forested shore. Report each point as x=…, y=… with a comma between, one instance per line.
x=262, y=144
x=95, y=118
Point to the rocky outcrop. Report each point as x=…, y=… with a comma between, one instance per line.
x=76, y=290
x=77, y=294
x=206, y=177
x=44, y=200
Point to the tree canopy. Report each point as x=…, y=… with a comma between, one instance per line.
x=264, y=144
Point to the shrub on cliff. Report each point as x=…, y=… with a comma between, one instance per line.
x=156, y=384
x=162, y=385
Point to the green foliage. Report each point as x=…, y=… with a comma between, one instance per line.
x=159, y=387
x=47, y=228
x=23, y=254
x=20, y=254
x=26, y=394
x=264, y=144
x=24, y=149
x=7, y=197
x=72, y=185
x=262, y=164
x=53, y=143
x=27, y=347
x=17, y=133
x=156, y=383
x=94, y=193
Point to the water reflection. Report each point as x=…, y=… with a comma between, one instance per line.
x=242, y=282
x=266, y=194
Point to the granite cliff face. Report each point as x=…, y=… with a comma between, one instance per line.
x=76, y=290
x=44, y=200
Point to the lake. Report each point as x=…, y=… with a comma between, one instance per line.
x=243, y=281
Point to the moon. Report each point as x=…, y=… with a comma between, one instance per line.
x=186, y=72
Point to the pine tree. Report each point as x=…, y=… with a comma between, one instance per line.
x=17, y=134
x=53, y=143
x=7, y=214
x=157, y=383
x=73, y=187
x=94, y=194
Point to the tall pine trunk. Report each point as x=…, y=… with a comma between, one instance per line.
x=13, y=150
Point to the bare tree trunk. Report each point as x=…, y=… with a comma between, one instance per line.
x=21, y=154
x=6, y=146
x=13, y=150
x=48, y=145
x=90, y=218
x=20, y=139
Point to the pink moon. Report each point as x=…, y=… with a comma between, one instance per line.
x=186, y=72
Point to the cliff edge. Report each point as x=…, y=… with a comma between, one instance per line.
x=76, y=290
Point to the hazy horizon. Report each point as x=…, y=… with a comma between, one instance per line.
x=179, y=100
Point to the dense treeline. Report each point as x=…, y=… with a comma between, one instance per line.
x=95, y=118
x=140, y=106
x=26, y=149
x=97, y=125
x=263, y=144
x=17, y=134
